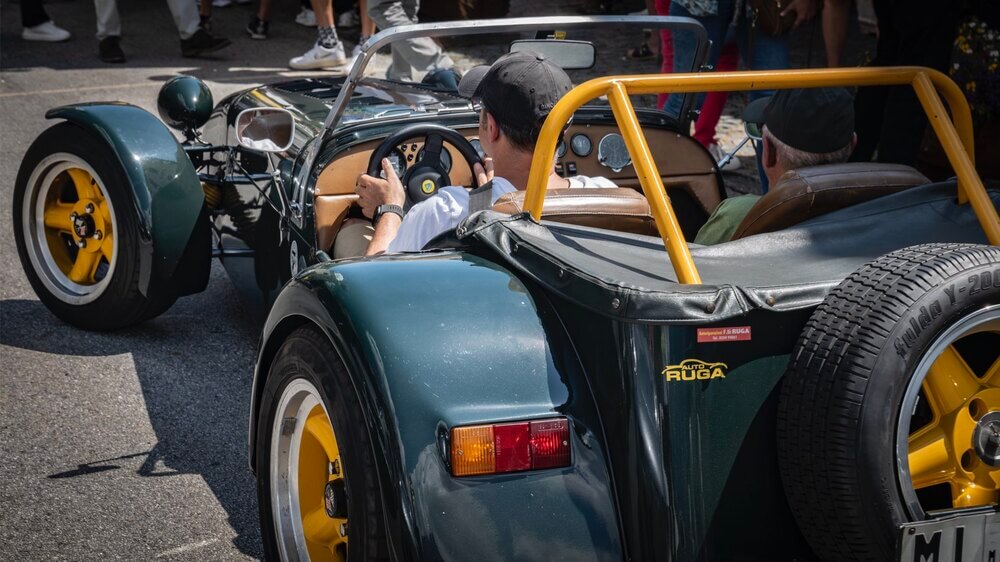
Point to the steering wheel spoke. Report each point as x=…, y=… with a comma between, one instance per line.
x=428, y=175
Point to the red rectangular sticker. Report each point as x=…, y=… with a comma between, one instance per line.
x=730, y=333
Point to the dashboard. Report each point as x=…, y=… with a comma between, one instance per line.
x=587, y=149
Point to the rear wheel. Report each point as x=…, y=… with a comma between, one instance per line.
x=316, y=484
x=890, y=410
x=77, y=234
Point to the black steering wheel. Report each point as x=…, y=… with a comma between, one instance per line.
x=428, y=175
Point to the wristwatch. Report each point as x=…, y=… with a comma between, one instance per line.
x=383, y=209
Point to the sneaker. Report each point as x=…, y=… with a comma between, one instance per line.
x=47, y=31
x=718, y=154
x=320, y=57
x=108, y=50
x=348, y=19
x=306, y=17
x=356, y=51
x=257, y=28
x=202, y=43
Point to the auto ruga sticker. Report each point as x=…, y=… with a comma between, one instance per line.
x=724, y=334
x=695, y=370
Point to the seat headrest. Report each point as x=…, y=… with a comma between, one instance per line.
x=805, y=193
x=621, y=208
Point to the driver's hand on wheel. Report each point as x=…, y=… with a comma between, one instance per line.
x=373, y=191
x=484, y=171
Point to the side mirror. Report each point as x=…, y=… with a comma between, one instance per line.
x=753, y=130
x=569, y=55
x=265, y=129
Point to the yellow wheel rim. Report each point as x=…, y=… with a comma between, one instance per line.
x=953, y=457
x=308, y=485
x=70, y=229
x=320, y=465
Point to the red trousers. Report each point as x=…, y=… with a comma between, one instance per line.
x=715, y=102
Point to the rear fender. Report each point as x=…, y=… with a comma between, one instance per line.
x=166, y=193
x=433, y=341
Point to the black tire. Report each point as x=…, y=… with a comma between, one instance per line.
x=119, y=303
x=308, y=355
x=840, y=402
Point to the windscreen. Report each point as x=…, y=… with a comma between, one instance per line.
x=576, y=41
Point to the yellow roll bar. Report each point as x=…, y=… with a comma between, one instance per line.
x=930, y=85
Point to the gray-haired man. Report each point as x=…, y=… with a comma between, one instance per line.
x=801, y=128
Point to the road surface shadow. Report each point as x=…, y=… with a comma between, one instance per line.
x=195, y=369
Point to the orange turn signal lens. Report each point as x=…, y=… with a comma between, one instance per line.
x=510, y=447
x=472, y=450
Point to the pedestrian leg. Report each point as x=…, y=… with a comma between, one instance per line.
x=422, y=54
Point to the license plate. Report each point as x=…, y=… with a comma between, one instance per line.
x=952, y=538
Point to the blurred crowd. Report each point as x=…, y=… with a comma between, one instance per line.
x=749, y=34
x=193, y=19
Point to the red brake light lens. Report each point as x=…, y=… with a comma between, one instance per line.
x=510, y=447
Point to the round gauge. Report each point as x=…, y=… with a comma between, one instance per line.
x=581, y=145
x=479, y=147
x=561, y=150
x=445, y=158
x=613, y=153
x=398, y=162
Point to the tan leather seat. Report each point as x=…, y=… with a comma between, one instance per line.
x=809, y=192
x=622, y=209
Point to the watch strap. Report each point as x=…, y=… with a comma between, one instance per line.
x=383, y=209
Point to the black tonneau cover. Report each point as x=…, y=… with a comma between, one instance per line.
x=630, y=277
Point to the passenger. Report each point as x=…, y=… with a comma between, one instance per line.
x=800, y=128
x=517, y=92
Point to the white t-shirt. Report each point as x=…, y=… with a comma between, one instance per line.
x=450, y=206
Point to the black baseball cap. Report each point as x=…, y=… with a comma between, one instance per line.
x=518, y=88
x=817, y=120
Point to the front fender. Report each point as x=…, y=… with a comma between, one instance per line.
x=166, y=192
x=438, y=340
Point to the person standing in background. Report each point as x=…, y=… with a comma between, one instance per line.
x=38, y=26
x=367, y=30
x=760, y=50
x=328, y=51
x=836, y=16
x=890, y=119
x=195, y=41
x=711, y=110
x=421, y=54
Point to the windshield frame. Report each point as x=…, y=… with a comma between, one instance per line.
x=512, y=25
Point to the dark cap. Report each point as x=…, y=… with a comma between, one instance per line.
x=817, y=120
x=519, y=88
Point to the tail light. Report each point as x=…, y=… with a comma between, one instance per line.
x=510, y=447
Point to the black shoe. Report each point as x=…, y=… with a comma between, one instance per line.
x=109, y=50
x=257, y=28
x=202, y=43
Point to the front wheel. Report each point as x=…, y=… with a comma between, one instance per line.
x=890, y=409
x=77, y=234
x=316, y=482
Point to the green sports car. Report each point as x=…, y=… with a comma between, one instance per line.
x=565, y=376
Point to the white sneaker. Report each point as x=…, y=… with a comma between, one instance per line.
x=306, y=17
x=47, y=31
x=348, y=19
x=718, y=154
x=320, y=57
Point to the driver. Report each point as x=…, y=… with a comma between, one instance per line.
x=517, y=92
